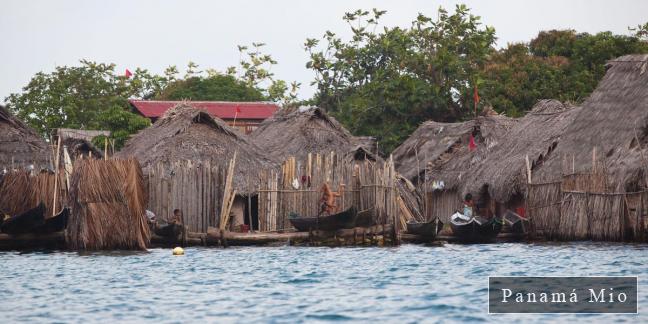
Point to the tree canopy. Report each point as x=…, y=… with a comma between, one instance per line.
x=382, y=81
x=89, y=96
x=385, y=81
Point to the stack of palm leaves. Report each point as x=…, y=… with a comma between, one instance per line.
x=21, y=191
x=108, y=205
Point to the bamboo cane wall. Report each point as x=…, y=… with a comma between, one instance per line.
x=580, y=208
x=296, y=189
x=194, y=188
x=442, y=204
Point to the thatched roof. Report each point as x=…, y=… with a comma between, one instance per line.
x=614, y=119
x=187, y=133
x=428, y=142
x=306, y=130
x=537, y=134
x=453, y=165
x=20, y=143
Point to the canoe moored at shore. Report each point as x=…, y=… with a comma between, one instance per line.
x=53, y=224
x=344, y=219
x=25, y=222
x=428, y=229
x=517, y=223
x=168, y=230
x=476, y=229
x=365, y=218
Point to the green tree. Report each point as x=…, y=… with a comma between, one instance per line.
x=641, y=32
x=89, y=96
x=558, y=64
x=251, y=80
x=217, y=87
x=513, y=80
x=386, y=83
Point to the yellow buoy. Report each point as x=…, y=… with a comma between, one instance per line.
x=178, y=251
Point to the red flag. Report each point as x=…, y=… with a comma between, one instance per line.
x=471, y=145
x=238, y=109
x=128, y=74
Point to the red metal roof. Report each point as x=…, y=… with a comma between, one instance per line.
x=220, y=109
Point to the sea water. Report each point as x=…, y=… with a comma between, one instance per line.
x=409, y=283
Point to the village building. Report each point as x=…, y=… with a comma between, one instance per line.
x=244, y=116
x=187, y=138
x=20, y=145
x=298, y=132
x=594, y=185
x=438, y=156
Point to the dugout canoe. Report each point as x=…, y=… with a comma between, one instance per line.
x=475, y=230
x=344, y=219
x=428, y=229
x=26, y=222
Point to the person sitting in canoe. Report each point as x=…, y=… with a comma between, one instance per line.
x=177, y=217
x=327, y=203
x=468, y=206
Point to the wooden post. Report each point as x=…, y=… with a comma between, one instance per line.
x=528, y=167
x=56, y=175
x=105, y=148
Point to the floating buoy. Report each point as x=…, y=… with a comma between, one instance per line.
x=178, y=251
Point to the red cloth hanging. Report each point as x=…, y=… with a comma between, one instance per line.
x=471, y=145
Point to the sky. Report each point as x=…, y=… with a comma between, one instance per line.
x=153, y=34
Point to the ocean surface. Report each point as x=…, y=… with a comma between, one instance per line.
x=406, y=284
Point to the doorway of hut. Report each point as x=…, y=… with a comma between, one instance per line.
x=252, y=212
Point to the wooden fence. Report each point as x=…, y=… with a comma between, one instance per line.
x=560, y=211
x=196, y=188
x=296, y=189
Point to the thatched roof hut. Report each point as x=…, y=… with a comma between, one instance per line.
x=613, y=122
x=536, y=135
x=428, y=142
x=297, y=132
x=453, y=166
x=444, y=146
x=187, y=133
x=20, y=144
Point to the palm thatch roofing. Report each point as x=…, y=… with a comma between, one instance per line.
x=536, y=135
x=444, y=147
x=428, y=142
x=453, y=166
x=298, y=132
x=187, y=133
x=20, y=144
x=614, y=122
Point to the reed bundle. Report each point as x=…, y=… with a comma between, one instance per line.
x=20, y=191
x=108, y=206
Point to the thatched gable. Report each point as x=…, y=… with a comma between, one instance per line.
x=297, y=132
x=429, y=142
x=536, y=135
x=453, y=166
x=187, y=133
x=614, y=120
x=20, y=143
